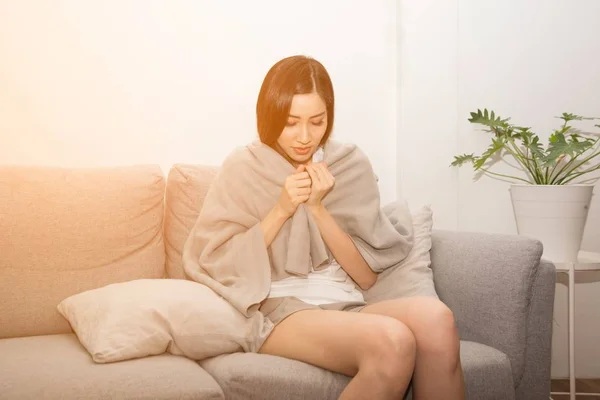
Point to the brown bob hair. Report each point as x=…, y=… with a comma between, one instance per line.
x=292, y=75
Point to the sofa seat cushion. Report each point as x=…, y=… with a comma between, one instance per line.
x=488, y=372
x=245, y=376
x=58, y=367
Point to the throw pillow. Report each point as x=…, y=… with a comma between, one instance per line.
x=413, y=275
x=147, y=317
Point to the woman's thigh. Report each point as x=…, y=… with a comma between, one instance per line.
x=335, y=340
x=426, y=316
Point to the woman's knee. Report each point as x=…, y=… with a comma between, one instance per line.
x=436, y=329
x=390, y=350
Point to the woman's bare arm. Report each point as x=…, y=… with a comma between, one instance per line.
x=272, y=223
x=295, y=191
x=343, y=248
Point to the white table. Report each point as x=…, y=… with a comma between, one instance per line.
x=586, y=261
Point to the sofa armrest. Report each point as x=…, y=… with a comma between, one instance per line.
x=487, y=281
x=537, y=376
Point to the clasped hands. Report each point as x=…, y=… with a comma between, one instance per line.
x=309, y=184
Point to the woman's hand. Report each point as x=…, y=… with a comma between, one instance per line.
x=295, y=191
x=322, y=183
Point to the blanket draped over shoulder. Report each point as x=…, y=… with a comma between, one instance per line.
x=226, y=249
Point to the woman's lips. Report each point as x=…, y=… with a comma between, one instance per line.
x=301, y=150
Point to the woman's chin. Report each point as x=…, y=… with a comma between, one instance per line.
x=301, y=159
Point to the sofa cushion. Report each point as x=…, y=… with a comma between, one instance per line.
x=488, y=373
x=187, y=185
x=146, y=317
x=245, y=376
x=67, y=230
x=58, y=367
x=251, y=376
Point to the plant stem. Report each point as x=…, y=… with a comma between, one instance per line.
x=581, y=173
x=575, y=167
x=558, y=174
x=563, y=168
x=520, y=157
x=504, y=176
x=538, y=172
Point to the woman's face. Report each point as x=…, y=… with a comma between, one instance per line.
x=305, y=127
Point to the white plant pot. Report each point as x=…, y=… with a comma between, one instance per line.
x=554, y=214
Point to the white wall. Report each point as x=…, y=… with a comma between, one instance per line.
x=527, y=60
x=121, y=82
x=427, y=102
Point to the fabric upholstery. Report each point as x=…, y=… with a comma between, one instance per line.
x=488, y=372
x=265, y=377
x=71, y=231
x=57, y=367
x=66, y=230
x=248, y=376
x=535, y=383
x=186, y=188
x=486, y=280
x=147, y=317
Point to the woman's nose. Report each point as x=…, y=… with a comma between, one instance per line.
x=304, y=135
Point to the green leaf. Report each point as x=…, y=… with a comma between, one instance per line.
x=496, y=146
x=488, y=119
x=524, y=145
x=570, y=117
x=536, y=149
x=524, y=135
x=559, y=145
x=574, y=117
x=462, y=159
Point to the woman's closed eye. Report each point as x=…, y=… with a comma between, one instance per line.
x=316, y=123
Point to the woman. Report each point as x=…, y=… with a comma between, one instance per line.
x=319, y=315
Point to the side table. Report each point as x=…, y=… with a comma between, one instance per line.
x=586, y=261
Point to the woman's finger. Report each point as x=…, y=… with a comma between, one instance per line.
x=302, y=191
x=313, y=175
x=303, y=183
x=323, y=174
x=301, y=175
x=330, y=177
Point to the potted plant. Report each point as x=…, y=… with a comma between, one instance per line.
x=549, y=197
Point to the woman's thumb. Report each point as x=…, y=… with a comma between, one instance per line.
x=301, y=168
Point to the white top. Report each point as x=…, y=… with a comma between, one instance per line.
x=329, y=285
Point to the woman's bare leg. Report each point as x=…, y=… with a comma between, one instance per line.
x=438, y=371
x=378, y=351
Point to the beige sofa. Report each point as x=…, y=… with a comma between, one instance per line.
x=64, y=231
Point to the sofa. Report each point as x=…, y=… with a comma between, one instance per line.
x=67, y=230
